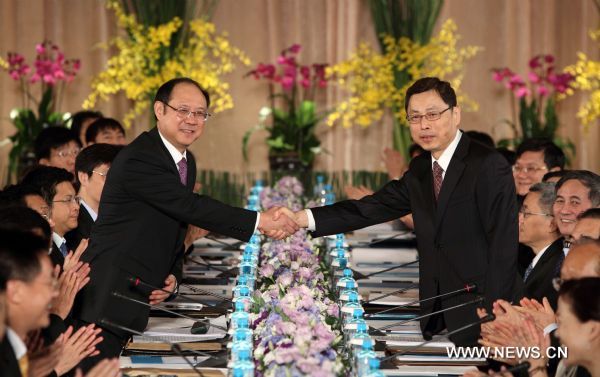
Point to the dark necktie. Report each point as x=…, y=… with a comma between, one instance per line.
x=527, y=272
x=63, y=249
x=438, y=178
x=182, y=165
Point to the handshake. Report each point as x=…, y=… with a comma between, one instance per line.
x=280, y=222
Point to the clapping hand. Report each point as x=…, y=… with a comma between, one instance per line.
x=77, y=346
x=277, y=223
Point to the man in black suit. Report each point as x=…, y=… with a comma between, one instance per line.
x=58, y=191
x=538, y=230
x=146, y=206
x=91, y=168
x=462, y=198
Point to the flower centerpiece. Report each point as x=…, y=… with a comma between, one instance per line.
x=41, y=88
x=295, y=321
x=292, y=111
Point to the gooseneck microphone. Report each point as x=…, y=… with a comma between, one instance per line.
x=223, y=272
x=487, y=318
x=175, y=347
x=401, y=290
x=467, y=288
x=396, y=324
x=207, y=322
x=386, y=270
x=137, y=281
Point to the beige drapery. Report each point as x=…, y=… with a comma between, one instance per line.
x=510, y=31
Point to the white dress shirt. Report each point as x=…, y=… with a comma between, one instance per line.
x=92, y=213
x=443, y=161
x=17, y=344
x=58, y=240
x=177, y=156
x=538, y=256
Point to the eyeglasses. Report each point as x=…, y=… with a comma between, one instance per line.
x=526, y=214
x=527, y=169
x=432, y=115
x=100, y=173
x=69, y=200
x=66, y=153
x=198, y=116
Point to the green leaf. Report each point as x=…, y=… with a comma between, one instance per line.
x=246, y=139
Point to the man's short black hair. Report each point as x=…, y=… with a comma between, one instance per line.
x=53, y=138
x=100, y=125
x=46, y=178
x=15, y=195
x=163, y=94
x=481, y=138
x=19, y=255
x=554, y=174
x=554, y=157
x=443, y=88
x=95, y=155
x=80, y=117
x=23, y=218
x=583, y=296
x=587, y=178
x=590, y=213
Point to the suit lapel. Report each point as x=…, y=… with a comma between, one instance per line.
x=451, y=179
x=165, y=152
x=422, y=171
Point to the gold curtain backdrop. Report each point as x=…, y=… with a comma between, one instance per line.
x=510, y=31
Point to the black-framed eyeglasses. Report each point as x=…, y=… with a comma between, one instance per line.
x=431, y=116
x=69, y=200
x=66, y=153
x=526, y=214
x=198, y=116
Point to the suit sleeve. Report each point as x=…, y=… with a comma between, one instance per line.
x=148, y=179
x=497, y=205
x=389, y=203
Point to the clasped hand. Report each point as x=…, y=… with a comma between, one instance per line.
x=280, y=222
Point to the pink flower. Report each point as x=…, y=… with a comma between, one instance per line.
x=542, y=90
x=535, y=62
x=305, y=83
x=497, y=75
x=287, y=82
x=533, y=77
x=549, y=59
x=522, y=91
x=295, y=48
x=40, y=48
x=305, y=71
x=267, y=270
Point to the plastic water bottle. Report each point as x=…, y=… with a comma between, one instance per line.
x=244, y=298
x=352, y=324
x=319, y=188
x=374, y=371
x=362, y=333
x=346, y=278
x=349, y=307
x=243, y=334
x=329, y=195
x=345, y=293
x=259, y=186
x=239, y=317
x=243, y=367
x=239, y=343
x=361, y=360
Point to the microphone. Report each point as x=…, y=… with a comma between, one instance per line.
x=387, y=270
x=467, y=288
x=229, y=246
x=396, y=324
x=380, y=240
x=137, y=281
x=487, y=318
x=175, y=347
x=223, y=273
x=402, y=290
x=207, y=322
x=523, y=366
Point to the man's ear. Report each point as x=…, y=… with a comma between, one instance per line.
x=14, y=294
x=159, y=109
x=456, y=115
x=83, y=178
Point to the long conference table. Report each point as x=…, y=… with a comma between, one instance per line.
x=209, y=276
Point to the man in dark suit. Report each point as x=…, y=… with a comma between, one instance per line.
x=146, y=206
x=58, y=191
x=91, y=167
x=538, y=230
x=462, y=198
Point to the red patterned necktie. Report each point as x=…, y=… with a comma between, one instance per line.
x=438, y=178
x=182, y=165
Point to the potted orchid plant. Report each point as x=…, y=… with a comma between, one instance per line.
x=291, y=117
x=51, y=71
x=536, y=97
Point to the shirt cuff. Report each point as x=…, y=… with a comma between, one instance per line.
x=257, y=221
x=551, y=327
x=311, y=220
